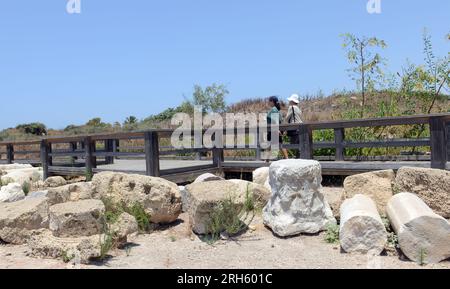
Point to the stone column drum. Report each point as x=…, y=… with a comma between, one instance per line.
x=362, y=230
x=296, y=205
x=423, y=235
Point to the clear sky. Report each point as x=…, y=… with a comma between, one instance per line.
x=137, y=57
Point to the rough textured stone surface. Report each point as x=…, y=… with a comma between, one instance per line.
x=70, y=193
x=376, y=185
x=297, y=205
x=11, y=193
x=81, y=249
x=202, y=198
x=160, y=198
x=38, y=194
x=21, y=176
x=261, y=176
x=423, y=235
x=75, y=219
x=431, y=185
x=14, y=167
x=53, y=182
x=125, y=225
x=207, y=178
x=261, y=194
x=19, y=219
x=361, y=229
x=334, y=197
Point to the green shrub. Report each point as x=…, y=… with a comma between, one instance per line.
x=332, y=234
x=67, y=257
x=106, y=239
x=26, y=188
x=392, y=242
x=230, y=218
x=422, y=256
x=88, y=174
x=142, y=218
x=113, y=211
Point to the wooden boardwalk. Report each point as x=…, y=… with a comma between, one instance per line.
x=140, y=152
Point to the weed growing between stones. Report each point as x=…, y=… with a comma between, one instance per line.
x=332, y=234
x=26, y=188
x=422, y=256
x=392, y=243
x=67, y=257
x=5, y=182
x=114, y=210
x=229, y=219
x=106, y=239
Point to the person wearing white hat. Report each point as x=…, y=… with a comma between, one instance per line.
x=294, y=115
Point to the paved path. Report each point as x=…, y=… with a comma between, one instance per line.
x=139, y=165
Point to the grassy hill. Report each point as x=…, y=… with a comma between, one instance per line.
x=345, y=105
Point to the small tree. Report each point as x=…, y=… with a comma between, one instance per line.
x=130, y=120
x=130, y=123
x=212, y=98
x=367, y=64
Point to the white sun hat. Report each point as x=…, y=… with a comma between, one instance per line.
x=294, y=98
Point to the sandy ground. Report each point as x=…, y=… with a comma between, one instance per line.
x=175, y=247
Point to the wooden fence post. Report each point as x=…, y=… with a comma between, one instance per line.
x=258, y=146
x=438, y=137
x=339, y=136
x=45, y=158
x=50, y=158
x=109, y=148
x=116, y=145
x=217, y=151
x=73, y=148
x=448, y=141
x=90, y=160
x=9, y=153
x=152, y=153
x=305, y=142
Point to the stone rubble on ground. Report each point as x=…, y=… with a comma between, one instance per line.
x=12, y=192
x=207, y=178
x=37, y=194
x=22, y=176
x=260, y=194
x=431, y=185
x=44, y=245
x=60, y=220
x=361, y=228
x=53, y=182
x=376, y=185
x=70, y=193
x=160, y=198
x=423, y=235
x=75, y=219
x=297, y=204
x=202, y=199
x=19, y=219
x=261, y=176
x=125, y=226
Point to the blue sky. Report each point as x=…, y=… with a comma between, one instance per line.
x=137, y=57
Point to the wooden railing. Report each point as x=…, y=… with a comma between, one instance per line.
x=106, y=146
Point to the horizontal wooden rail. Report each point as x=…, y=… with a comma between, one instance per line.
x=88, y=148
